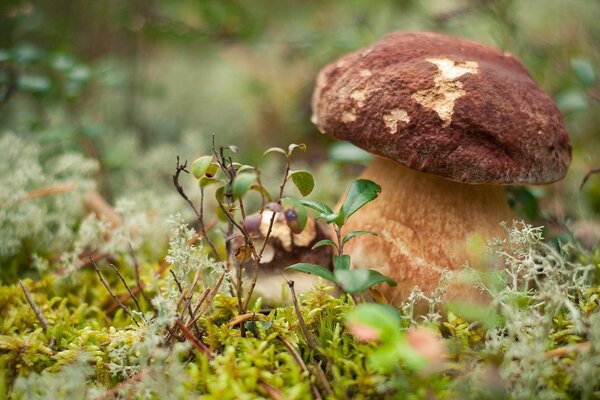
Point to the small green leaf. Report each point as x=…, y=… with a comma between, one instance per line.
x=352, y=281
x=205, y=181
x=34, y=83
x=4, y=55
x=316, y=205
x=358, y=280
x=386, y=319
x=584, y=71
x=275, y=150
x=241, y=184
x=341, y=262
x=314, y=269
x=262, y=190
x=246, y=168
x=201, y=166
x=324, y=242
x=376, y=277
x=298, y=225
x=337, y=218
x=355, y=234
x=360, y=193
x=294, y=146
x=304, y=181
x=220, y=195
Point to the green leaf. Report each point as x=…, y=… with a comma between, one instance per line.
x=246, y=168
x=337, y=218
x=360, y=193
x=34, y=83
x=341, y=262
x=358, y=280
x=572, y=100
x=262, y=190
x=201, y=166
x=298, y=225
x=4, y=55
x=316, y=205
x=352, y=281
x=294, y=146
x=275, y=150
x=314, y=269
x=324, y=242
x=220, y=195
x=584, y=71
x=304, y=181
x=385, y=318
x=205, y=181
x=241, y=184
x=355, y=234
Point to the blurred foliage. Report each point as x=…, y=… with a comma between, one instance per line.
x=119, y=80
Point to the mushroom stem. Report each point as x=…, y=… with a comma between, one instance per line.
x=425, y=224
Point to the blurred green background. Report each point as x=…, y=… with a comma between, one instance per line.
x=132, y=84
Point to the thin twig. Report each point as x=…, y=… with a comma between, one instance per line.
x=266, y=238
x=309, y=339
x=117, y=389
x=197, y=343
x=301, y=363
x=183, y=295
x=240, y=319
x=588, y=175
x=136, y=269
x=209, y=299
x=274, y=393
x=34, y=307
x=201, y=300
x=50, y=190
x=199, y=214
x=115, y=298
x=566, y=350
x=135, y=300
x=162, y=267
x=318, y=372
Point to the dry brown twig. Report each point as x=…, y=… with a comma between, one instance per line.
x=138, y=282
x=309, y=339
x=115, y=298
x=131, y=294
x=34, y=307
x=588, y=175
x=302, y=365
x=566, y=350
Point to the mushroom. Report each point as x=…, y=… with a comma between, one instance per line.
x=286, y=245
x=449, y=121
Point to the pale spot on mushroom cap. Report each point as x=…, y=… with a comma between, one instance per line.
x=451, y=70
x=359, y=96
x=442, y=96
x=392, y=118
x=348, y=116
x=365, y=73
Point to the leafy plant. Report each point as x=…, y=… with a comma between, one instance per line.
x=352, y=281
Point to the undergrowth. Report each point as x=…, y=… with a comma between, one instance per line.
x=115, y=323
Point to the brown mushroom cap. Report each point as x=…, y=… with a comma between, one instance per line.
x=444, y=105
